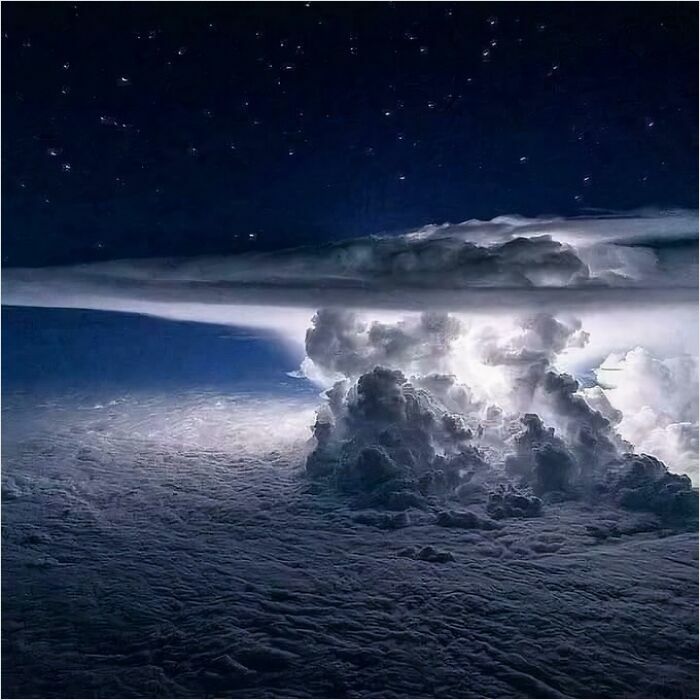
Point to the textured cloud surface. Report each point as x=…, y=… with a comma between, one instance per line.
x=173, y=557
x=492, y=500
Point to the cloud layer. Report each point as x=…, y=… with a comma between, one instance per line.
x=509, y=262
x=179, y=564
x=465, y=497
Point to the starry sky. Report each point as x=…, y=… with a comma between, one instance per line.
x=178, y=129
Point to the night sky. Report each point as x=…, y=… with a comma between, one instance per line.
x=171, y=129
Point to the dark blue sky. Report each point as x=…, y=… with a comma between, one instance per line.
x=156, y=129
x=59, y=349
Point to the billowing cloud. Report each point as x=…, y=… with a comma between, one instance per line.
x=654, y=402
x=390, y=439
x=340, y=342
x=444, y=350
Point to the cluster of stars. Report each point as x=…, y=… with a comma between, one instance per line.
x=396, y=97
x=410, y=36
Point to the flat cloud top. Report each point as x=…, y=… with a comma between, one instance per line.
x=508, y=262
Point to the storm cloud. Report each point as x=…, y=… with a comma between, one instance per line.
x=401, y=441
x=432, y=403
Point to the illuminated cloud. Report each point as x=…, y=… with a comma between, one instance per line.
x=657, y=404
x=505, y=309
x=508, y=263
x=396, y=440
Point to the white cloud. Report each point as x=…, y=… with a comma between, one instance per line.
x=508, y=263
x=658, y=400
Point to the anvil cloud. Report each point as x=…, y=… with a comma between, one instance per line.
x=508, y=263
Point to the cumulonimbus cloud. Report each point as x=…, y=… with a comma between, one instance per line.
x=398, y=428
x=402, y=408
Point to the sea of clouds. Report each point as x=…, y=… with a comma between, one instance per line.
x=492, y=496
